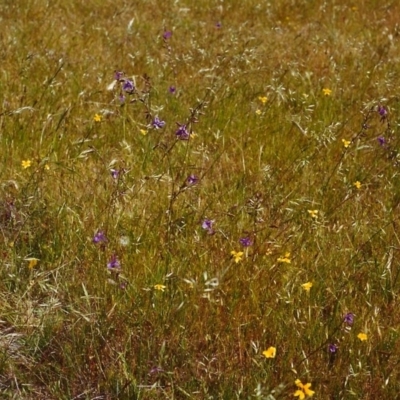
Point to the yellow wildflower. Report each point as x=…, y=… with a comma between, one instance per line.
x=270, y=352
x=357, y=184
x=346, y=143
x=362, y=336
x=97, y=118
x=307, y=286
x=26, y=164
x=313, y=213
x=326, y=92
x=285, y=258
x=258, y=112
x=143, y=132
x=263, y=99
x=159, y=287
x=237, y=255
x=32, y=262
x=304, y=390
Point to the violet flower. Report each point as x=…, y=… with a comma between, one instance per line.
x=157, y=123
x=99, y=237
x=245, y=241
x=128, y=86
x=349, y=319
x=382, y=112
x=192, y=180
x=381, y=141
x=167, y=34
x=113, y=264
x=332, y=348
x=208, y=225
x=182, y=132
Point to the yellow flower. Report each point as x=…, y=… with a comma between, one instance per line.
x=346, y=143
x=263, y=99
x=32, y=262
x=304, y=390
x=143, y=132
x=313, y=213
x=327, y=92
x=237, y=255
x=307, y=286
x=258, y=112
x=357, y=184
x=362, y=336
x=26, y=164
x=270, y=352
x=159, y=287
x=97, y=117
x=47, y=167
x=285, y=258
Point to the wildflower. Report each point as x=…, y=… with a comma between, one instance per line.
x=32, y=262
x=118, y=75
x=382, y=112
x=114, y=173
x=313, y=213
x=26, y=164
x=47, y=167
x=245, y=241
x=332, y=348
x=349, y=319
x=128, y=86
x=100, y=237
x=97, y=118
x=362, y=336
x=159, y=287
x=172, y=89
x=143, y=132
x=304, y=390
x=192, y=180
x=167, y=35
x=346, y=143
x=307, y=286
x=326, y=92
x=381, y=141
x=157, y=123
x=258, y=112
x=357, y=184
x=182, y=132
x=208, y=225
x=237, y=255
x=285, y=259
x=113, y=264
x=121, y=98
x=270, y=352
x=263, y=99
x=218, y=25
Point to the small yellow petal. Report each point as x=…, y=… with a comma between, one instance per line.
x=307, y=286
x=270, y=352
x=362, y=336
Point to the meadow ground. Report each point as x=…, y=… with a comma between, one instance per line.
x=199, y=199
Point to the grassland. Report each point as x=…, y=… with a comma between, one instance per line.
x=199, y=200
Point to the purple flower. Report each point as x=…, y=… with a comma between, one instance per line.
x=208, y=226
x=218, y=25
x=333, y=348
x=99, y=237
x=381, y=141
x=128, y=86
x=114, y=173
x=192, y=180
x=113, y=264
x=155, y=370
x=172, y=89
x=382, y=112
x=157, y=123
x=166, y=35
x=245, y=241
x=349, y=318
x=118, y=75
x=182, y=132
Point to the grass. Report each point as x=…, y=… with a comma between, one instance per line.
x=118, y=279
